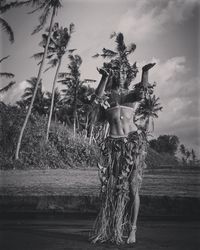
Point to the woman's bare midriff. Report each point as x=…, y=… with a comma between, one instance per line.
x=120, y=119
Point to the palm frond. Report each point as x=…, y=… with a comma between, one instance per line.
x=7, y=75
x=38, y=8
x=64, y=91
x=29, y=89
x=53, y=62
x=39, y=62
x=71, y=58
x=50, y=56
x=66, y=81
x=17, y=4
x=6, y=27
x=96, y=55
x=7, y=87
x=108, y=53
x=32, y=81
x=55, y=4
x=47, y=69
x=38, y=55
x=9, y=6
x=42, y=19
x=71, y=50
x=63, y=74
x=27, y=95
x=4, y=58
x=120, y=42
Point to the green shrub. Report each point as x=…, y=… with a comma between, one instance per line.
x=75, y=151
x=62, y=150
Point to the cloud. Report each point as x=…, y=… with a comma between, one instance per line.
x=179, y=97
x=14, y=94
x=147, y=19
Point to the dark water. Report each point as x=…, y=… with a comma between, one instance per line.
x=70, y=232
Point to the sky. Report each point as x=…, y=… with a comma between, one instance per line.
x=164, y=31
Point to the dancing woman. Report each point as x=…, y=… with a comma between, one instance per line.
x=123, y=159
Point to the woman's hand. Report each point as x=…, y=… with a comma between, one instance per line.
x=148, y=66
x=103, y=72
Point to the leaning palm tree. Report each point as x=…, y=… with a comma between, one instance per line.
x=56, y=50
x=48, y=7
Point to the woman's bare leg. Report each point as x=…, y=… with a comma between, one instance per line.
x=134, y=212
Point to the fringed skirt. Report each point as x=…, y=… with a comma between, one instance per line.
x=120, y=172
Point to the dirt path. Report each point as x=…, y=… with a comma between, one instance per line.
x=72, y=234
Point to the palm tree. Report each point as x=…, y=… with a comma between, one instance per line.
x=84, y=106
x=6, y=75
x=148, y=110
x=48, y=6
x=56, y=50
x=74, y=84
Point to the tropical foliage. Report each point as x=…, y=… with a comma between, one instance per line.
x=47, y=7
x=57, y=48
x=147, y=111
x=6, y=75
x=75, y=94
x=39, y=104
x=61, y=151
x=165, y=143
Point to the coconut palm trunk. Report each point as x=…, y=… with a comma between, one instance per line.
x=75, y=109
x=36, y=86
x=92, y=127
x=52, y=99
x=91, y=133
x=86, y=126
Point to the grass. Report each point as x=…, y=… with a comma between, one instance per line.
x=182, y=182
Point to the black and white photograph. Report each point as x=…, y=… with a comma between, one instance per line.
x=99, y=124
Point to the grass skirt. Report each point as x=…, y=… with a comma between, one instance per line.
x=121, y=169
